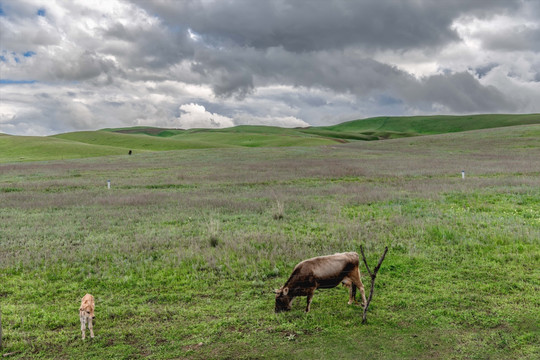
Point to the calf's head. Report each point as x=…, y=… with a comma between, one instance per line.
x=87, y=308
x=283, y=300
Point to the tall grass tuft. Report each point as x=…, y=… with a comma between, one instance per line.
x=279, y=210
x=213, y=231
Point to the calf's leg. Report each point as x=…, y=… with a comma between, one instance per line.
x=91, y=327
x=83, y=327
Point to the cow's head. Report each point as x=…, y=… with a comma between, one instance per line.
x=283, y=300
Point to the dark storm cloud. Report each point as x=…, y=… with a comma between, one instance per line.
x=153, y=47
x=86, y=66
x=229, y=71
x=244, y=68
x=346, y=72
x=313, y=25
x=459, y=92
x=242, y=44
x=520, y=38
x=483, y=70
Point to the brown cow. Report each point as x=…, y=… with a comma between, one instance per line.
x=321, y=272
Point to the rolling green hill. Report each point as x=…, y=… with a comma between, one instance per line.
x=376, y=128
x=391, y=127
x=37, y=148
x=191, y=139
x=134, y=141
x=140, y=139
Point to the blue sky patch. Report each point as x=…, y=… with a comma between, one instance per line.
x=3, y=58
x=386, y=100
x=29, y=54
x=9, y=82
x=41, y=12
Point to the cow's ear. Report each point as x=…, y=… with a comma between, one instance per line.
x=277, y=291
x=285, y=291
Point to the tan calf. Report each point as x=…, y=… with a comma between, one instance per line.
x=86, y=313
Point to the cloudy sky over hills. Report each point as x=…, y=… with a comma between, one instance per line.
x=84, y=65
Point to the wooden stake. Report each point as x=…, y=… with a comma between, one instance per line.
x=373, y=275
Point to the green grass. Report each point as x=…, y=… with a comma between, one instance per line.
x=185, y=248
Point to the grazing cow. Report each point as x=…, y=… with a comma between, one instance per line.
x=86, y=314
x=321, y=272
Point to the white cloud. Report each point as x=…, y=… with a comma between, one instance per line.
x=196, y=116
x=281, y=121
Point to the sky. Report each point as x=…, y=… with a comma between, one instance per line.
x=92, y=64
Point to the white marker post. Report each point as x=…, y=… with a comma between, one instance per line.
x=108, y=184
x=463, y=174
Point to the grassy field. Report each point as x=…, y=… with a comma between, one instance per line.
x=182, y=253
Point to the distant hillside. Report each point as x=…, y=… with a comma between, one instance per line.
x=133, y=141
x=377, y=128
x=400, y=126
x=142, y=139
x=170, y=139
x=38, y=148
x=256, y=130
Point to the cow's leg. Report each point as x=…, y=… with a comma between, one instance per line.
x=83, y=327
x=309, y=298
x=352, y=290
x=355, y=277
x=91, y=327
x=352, y=294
